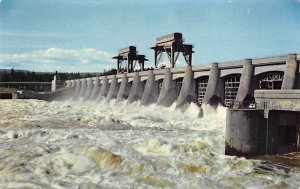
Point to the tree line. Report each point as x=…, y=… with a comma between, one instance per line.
x=27, y=76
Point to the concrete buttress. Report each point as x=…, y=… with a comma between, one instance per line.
x=290, y=72
x=124, y=88
x=187, y=92
x=77, y=89
x=96, y=89
x=137, y=89
x=88, y=90
x=68, y=83
x=213, y=84
x=150, y=94
x=83, y=88
x=113, y=89
x=73, y=83
x=245, y=83
x=104, y=88
x=168, y=92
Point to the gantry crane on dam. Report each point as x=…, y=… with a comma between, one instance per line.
x=172, y=45
x=128, y=59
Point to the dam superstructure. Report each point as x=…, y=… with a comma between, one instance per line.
x=256, y=91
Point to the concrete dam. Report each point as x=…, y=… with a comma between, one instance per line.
x=262, y=94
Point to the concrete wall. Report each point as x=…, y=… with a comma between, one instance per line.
x=250, y=133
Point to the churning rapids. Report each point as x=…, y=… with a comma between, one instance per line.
x=117, y=145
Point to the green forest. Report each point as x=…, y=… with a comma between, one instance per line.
x=27, y=76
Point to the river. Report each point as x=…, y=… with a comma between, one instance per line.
x=77, y=144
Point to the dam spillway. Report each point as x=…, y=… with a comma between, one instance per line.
x=134, y=143
x=226, y=83
x=234, y=84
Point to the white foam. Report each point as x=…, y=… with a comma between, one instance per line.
x=79, y=144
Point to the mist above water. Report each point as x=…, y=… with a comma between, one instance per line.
x=117, y=145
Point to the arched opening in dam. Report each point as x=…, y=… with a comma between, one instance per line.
x=270, y=80
x=178, y=82
x=231, y=87
x=159, y=85
x=201, y=85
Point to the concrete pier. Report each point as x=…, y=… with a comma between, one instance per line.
x=245, y=88
x=124, y=88
x=77, y=89
x=68, y=83
x=150, y=94
x=290, y=72
x=104, y=88
x=137, y=89
x=88, y=90
x=113, y=89
x=73, y=83
x=168, y=92
x=82, y=88
x=213, y=86
x=96, y=89
x=187, y=93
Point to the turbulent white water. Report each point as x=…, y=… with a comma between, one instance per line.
x=116, y=145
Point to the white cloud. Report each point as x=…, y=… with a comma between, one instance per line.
x=67, y=60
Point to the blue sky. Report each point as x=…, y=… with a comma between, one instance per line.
x=82, y=35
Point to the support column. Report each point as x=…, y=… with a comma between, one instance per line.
x=77, y=89
x=150, y=94
x=172, y=56
x=213, y=85
x=104, y=88
x=96, y=89
x=187, y=92
x=88, y=90
x=245, y=82
x=113, y=89
x=73, y=83
x=83, y=88
x=290, y=72
x=168, y=92
x=124, y=88
x=68, y=83
x=136, y=91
